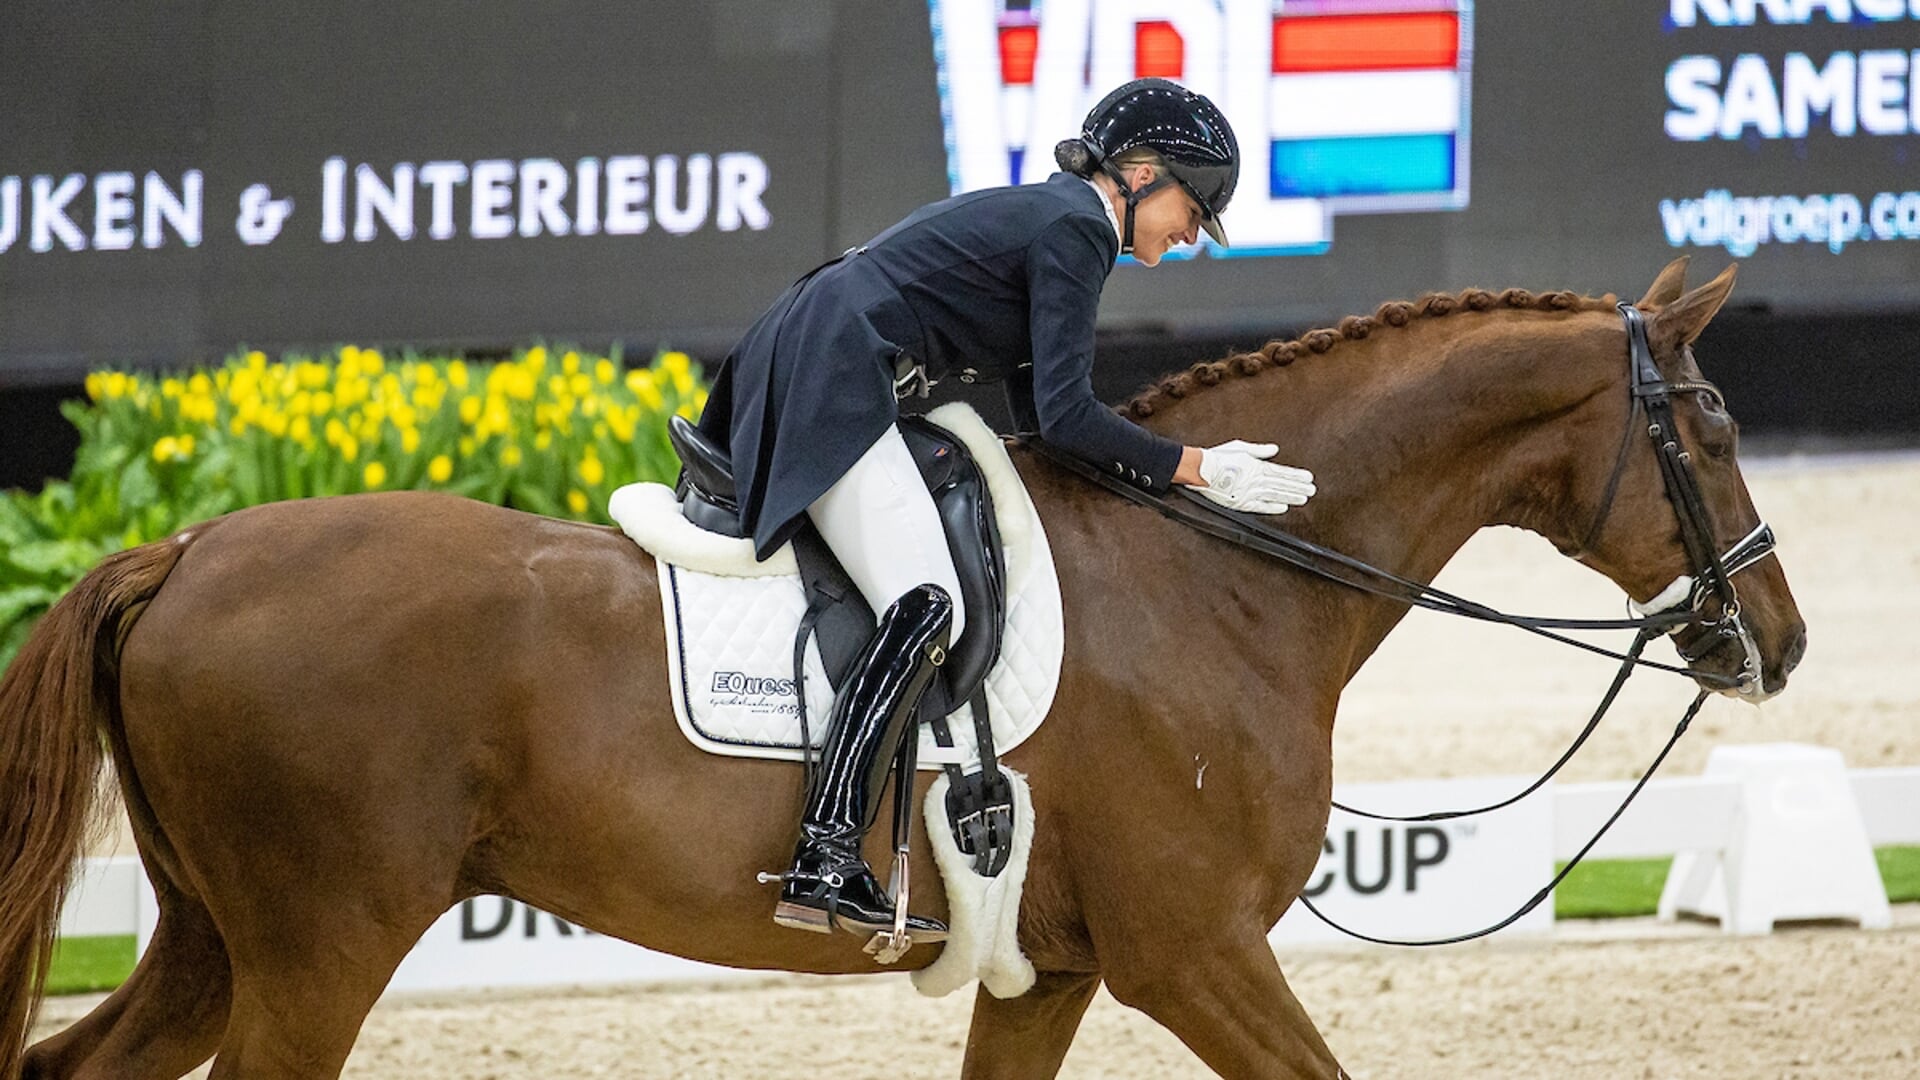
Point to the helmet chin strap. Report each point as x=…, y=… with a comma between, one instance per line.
x=1133, y=200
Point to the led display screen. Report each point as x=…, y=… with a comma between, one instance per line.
x=179, y=180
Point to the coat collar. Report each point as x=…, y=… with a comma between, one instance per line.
x=1082, y=190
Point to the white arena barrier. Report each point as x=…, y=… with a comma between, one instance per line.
x=1795, y=829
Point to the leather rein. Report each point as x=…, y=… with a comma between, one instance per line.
x=1678, y=608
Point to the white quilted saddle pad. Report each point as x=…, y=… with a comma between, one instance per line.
x=731, y=622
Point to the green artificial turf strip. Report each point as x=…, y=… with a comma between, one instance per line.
x=1613, y=888
x=86, y=964
x=1900, y=872
x=1610, y=888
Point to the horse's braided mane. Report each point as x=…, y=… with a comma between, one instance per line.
x=1394, y=313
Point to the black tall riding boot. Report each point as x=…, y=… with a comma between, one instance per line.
x=830, y=882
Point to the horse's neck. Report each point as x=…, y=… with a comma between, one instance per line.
x=1417, y=439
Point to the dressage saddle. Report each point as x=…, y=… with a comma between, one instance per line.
x=844, y=622
x=980, y=803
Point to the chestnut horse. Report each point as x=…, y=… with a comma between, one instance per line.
x=333, y=719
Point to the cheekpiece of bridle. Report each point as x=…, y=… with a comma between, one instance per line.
x=1712, y=575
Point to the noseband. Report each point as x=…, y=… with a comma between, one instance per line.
x=1713, y=572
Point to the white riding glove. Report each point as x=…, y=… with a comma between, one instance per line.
x=1239, y=477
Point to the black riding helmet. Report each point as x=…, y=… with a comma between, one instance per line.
x=1186, y=129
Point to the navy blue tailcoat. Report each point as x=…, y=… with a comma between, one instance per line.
x=989, y=281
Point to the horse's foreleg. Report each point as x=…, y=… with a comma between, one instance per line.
x=1027, y=1036
x=165, y=1019
x=1229, y=1003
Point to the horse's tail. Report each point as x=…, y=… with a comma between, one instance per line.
x=56, y=701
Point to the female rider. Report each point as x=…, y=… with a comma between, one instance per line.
x=994, y=281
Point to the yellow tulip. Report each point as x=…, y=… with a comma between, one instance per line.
x=604, y=372
x=301, y=431
x=570, y=363
x=457, y=374
x=496, y=419
x=409, y=440
x=542, y=439
x=469, y=410
x=649, y=395
x=375, y=474
x=165, y=449
x=467, y=446
x=591, y=470
x=96, y=385
x=440, y=469
x=577, y=501
x=510, y=456
x=521, y=384
x=257, y=361
x=675, y=364
x=349, y=448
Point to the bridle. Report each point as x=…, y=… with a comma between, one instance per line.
x=1713, y=572
x=1675, y=610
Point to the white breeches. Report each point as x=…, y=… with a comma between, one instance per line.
x=881, y=523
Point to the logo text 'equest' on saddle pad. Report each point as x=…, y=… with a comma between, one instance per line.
x=731, y=622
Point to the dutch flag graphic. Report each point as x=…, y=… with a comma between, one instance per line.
x=1366, y=102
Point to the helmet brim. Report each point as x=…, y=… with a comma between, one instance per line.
x=1214, y=229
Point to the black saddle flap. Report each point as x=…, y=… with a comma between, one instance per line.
x=973, y=535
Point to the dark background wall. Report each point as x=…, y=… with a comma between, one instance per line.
x=1580, y=168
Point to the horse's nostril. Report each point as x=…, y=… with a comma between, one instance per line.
x=1796, y=648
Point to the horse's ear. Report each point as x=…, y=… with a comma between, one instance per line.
x=1668, y=286
x=1680, y=322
